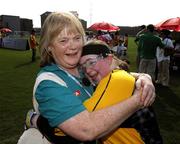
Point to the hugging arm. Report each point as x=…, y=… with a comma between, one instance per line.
x=93, y=125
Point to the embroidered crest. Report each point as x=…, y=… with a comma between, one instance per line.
x=77, y=93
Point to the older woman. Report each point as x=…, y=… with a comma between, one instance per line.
x=61, y=42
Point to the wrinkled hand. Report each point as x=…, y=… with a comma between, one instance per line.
x=137, y=95
x=144, y=83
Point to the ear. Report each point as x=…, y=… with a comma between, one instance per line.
x=109, y=58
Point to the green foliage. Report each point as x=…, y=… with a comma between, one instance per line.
x=17, y=78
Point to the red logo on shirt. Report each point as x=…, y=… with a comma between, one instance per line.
x=77, y=93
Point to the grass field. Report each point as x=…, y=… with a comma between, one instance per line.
x=17, y=75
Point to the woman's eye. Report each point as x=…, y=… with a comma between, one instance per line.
x=92, y=62
x=78, y=38
x=63, y=41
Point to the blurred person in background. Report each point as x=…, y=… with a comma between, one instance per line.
x=163, y=58
x=33, y=45
x=148, y=43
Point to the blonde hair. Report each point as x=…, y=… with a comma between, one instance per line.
x=54, y=24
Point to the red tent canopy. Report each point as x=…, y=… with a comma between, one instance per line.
x=5, y=30
x=104, y=26
x=170, y=24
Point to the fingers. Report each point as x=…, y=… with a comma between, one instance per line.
x=137, y=94
x=149, y=100
x=148, y=93
x=147, y=88
x=138, y=84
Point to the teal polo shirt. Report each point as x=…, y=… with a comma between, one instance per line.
x=58, y=103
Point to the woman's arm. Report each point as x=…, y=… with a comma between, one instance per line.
x=91, y=125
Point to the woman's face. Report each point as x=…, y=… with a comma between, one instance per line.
x=95, y=67
x=66, y=49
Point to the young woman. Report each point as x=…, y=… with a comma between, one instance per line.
x=61, y=43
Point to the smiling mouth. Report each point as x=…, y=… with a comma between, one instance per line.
x=72, y=54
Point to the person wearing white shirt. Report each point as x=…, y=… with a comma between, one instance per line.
x=164, y=60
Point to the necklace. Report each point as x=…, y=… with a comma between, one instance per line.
x=75, y=80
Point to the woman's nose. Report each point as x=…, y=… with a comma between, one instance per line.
x=87, y=70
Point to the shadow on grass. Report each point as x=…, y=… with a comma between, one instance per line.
x=168, y=97
x=167, y=106
x=24, y=64
x=27, y=63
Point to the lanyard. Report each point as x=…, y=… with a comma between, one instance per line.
x=76, y=81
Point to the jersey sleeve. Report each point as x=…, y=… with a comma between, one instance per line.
x=57, y=103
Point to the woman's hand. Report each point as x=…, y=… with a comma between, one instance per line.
x=144, y=82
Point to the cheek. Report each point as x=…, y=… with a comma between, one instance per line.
x=102, y=69
x=57, y=52
x=89, y=71
x=79, y=44
x=102, y=74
